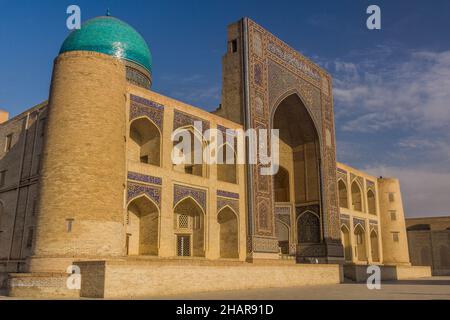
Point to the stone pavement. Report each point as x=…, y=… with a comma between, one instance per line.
x=421, y=289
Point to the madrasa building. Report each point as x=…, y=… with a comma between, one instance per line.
x=88, y=191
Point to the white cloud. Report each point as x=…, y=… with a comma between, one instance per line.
x=412, y=94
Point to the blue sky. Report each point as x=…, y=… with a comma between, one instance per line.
x=391, y=87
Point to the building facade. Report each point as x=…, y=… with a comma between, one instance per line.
x=87, y=175
x=429, y=243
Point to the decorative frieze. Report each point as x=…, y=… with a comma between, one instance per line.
x=135, y=190
x=181, y=119
x=227, y=194
x=140, y=107
x=223, y=202
x=180, y=192
x=144, y=178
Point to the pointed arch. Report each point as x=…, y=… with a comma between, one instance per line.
x=189, y=223
x=197, y=169
x=228, y=233
x=374, y=247
x=145, y=141
x=308, y=227
x=282, y=231
x=360, y=239
x=357, y=200
x=346, y=242
x=343, y=194
x=143, y=227
x=189, y=197
x=300, y=145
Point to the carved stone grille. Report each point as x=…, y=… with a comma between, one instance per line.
x=183, y=246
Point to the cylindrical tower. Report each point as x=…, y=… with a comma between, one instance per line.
x=392, y=218
x=83, y=176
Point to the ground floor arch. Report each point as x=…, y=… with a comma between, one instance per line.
x=282, y=232
x=308, y=228
x=346, y=242
x=360, y=238
x=189, y=222
x=374, y=247
x=142, y=227
x=229, y=239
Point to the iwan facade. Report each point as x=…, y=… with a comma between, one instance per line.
x=87, y=181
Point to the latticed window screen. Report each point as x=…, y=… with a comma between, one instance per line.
x=183, y=221
x=183, y=246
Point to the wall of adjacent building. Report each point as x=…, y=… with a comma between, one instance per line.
x=21, y=140
x=429, y=243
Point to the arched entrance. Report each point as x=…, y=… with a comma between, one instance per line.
x=374, y=246
x=142, y=227
x=145, y=142
x=189, y=223
x=229, y=243
x=342, y=189
x=308, y=228
x=282, y=232
x=298, y=180
x=192, y=150
x=345, y=237
x=356, y=197
x=361, y=253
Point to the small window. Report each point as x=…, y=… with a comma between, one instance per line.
x=2, y=178
x=395, y=236
x=391, y=197
x=393, y=215
x=30, y=237
x=183, y=221
x=8, y=142
x=233, y=45
x=69, y=225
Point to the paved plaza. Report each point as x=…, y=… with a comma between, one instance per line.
x=422, y=289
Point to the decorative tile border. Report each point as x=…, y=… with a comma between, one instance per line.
x=357, y=221
x=180, y=192
x=181, y=119
x=223, y=202
x=227, y=194
x=144, y=178
x=135, y=190
x=142, y=107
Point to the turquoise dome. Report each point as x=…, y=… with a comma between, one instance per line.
x=110, y=36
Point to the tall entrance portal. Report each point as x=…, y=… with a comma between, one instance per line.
x=267, y=84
